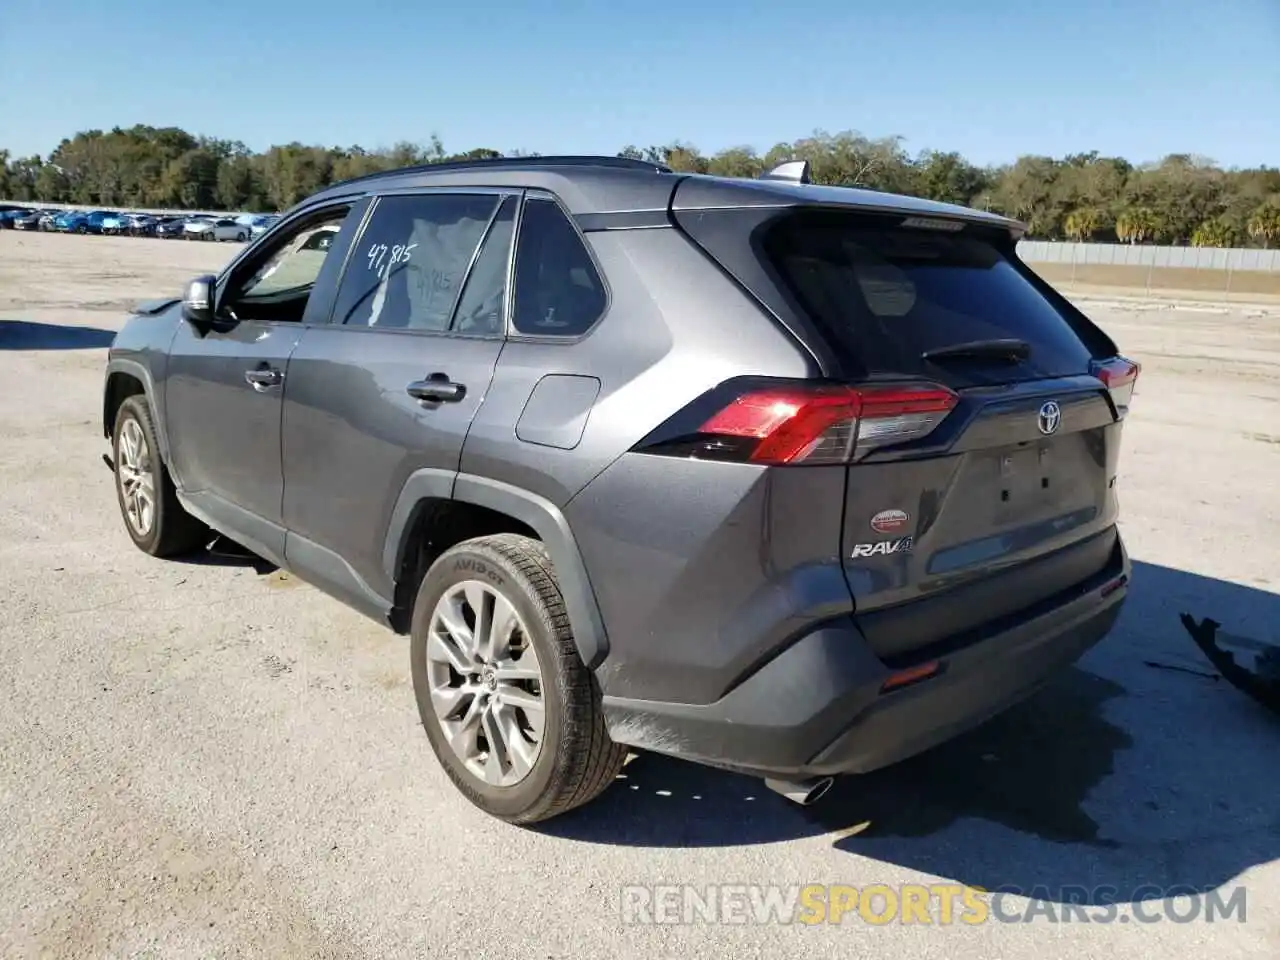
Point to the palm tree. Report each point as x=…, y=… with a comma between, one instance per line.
x=1214, y=233
x=1083, y=223
x=1136, y=225
x=1264, y=225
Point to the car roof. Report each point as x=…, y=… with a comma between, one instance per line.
x=585, y=184
x=601, y=185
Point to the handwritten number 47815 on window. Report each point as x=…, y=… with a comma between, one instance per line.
x=378, y=257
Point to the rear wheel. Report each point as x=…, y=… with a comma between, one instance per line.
x=153, y=517
x=511, y=712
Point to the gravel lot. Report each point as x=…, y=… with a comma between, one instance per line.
x=201, y=759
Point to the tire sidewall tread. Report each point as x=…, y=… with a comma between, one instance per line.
x=576, y=761
x=173, y=531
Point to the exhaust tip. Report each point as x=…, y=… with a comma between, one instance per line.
x=803, y=792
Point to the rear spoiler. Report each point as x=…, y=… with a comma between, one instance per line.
x=799, y=171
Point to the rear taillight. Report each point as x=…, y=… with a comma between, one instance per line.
x=1120, y=377
x=814, y=425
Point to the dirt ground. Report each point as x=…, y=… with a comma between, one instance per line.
x=201, y=759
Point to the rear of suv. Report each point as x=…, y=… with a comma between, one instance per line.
x=786, y=479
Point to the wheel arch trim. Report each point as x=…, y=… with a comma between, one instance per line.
x=142, y=374
x=544, y=517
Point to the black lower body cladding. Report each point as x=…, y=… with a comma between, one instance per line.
x=821, y=706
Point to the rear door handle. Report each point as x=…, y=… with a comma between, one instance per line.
x=264, y=378
x=437, y=388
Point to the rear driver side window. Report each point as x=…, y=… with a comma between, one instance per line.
x=407, y=269
x=557, y=289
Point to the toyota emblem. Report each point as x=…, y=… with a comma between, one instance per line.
x=1050, y=417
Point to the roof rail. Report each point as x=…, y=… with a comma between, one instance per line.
x=516, y=163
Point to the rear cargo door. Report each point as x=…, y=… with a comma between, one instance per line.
x=981, y=474
x=1010, y=498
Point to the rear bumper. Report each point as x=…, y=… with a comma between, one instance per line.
x=817, y=708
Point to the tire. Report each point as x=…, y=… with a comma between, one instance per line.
x=171, y=531
x=240, y=237
x=575, y=761
x=82, y=229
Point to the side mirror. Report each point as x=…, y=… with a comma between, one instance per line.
x=197, y=302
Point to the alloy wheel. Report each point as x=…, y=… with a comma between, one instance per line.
x=485, y=683
x=133, y=473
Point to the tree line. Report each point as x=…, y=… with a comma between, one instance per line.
x=1181, y=199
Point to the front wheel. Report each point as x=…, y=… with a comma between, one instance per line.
x=153, y=517
x=511, y=712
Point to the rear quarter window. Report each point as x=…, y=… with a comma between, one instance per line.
x=558, y=292
x=887, y=293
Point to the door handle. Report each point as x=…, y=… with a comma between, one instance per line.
x=437, y=388
x=264, y=378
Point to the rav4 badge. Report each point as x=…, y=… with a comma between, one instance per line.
x=883, y=548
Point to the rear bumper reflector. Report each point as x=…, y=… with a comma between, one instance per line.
x=1114, y=585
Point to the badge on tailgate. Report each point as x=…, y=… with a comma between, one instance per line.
x=883, y=548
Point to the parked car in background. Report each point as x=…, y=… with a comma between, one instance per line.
x=29, y=220
x=113, y=223
x=169, y=228
x=11, y=211
x=262, y=223
x=47, y=218
x=223, y=228
x=71, y=221
x=194, y=225
x=141, y=224
x=97, y=220
x=76, y=221
x=9, y=216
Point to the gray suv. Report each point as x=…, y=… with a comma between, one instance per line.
x=787, y=479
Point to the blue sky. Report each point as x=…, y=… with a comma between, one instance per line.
x=990, y=78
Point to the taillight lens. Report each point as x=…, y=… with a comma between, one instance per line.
x=814, y=425
x=1120, y=377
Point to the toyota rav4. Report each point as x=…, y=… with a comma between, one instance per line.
x=788, y=479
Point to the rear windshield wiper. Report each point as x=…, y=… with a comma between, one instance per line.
x=1010, y=349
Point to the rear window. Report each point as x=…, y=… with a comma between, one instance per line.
x=888, y=293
